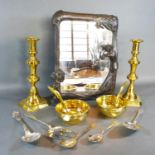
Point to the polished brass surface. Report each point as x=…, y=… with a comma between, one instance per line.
x=58, y=95
x=107, y=105
x=112, y=105
x=124, y=85
x=71, y=111
x=130, y=95
x=34, y=101
x=76, y=111
x=119, y=94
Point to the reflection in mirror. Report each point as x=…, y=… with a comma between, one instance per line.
x=86, y=54
x=81, y=55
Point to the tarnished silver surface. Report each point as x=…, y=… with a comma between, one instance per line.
x=133, y=124
x=52, y=130
x=98, y=137
x=29, y=136
x=103, y=21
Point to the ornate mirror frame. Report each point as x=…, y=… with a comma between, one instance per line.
x=109, y=22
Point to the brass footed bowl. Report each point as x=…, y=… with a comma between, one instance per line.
x=75, y=111
x=110, y=105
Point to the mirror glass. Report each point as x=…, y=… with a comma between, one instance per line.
x=81, y=57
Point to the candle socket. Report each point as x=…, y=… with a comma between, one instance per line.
x=130, y=96
x=34, y=101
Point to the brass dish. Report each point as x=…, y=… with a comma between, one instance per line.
x=92, y=86
x=68, y=88
x=76, y=111
x=111, y=105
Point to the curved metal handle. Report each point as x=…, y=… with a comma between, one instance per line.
x=120, y=93
x=17, y=116
x=50, y=127
x=36, y=119
x=113, y=124
x=122, y=88
x=89, y=127
x=56, y=93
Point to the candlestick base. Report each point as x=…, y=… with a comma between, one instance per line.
x=33, y=103
x=131, y=99
x=133, y=103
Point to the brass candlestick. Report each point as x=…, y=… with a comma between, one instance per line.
x=33, y=102
x=130, y=96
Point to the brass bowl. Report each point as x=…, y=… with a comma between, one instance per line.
x=109, y=107
x=75, y=111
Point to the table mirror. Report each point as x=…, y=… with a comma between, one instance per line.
x=85, y=54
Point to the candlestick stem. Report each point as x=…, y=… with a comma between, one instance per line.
x=33, y=102
x=130, y=95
